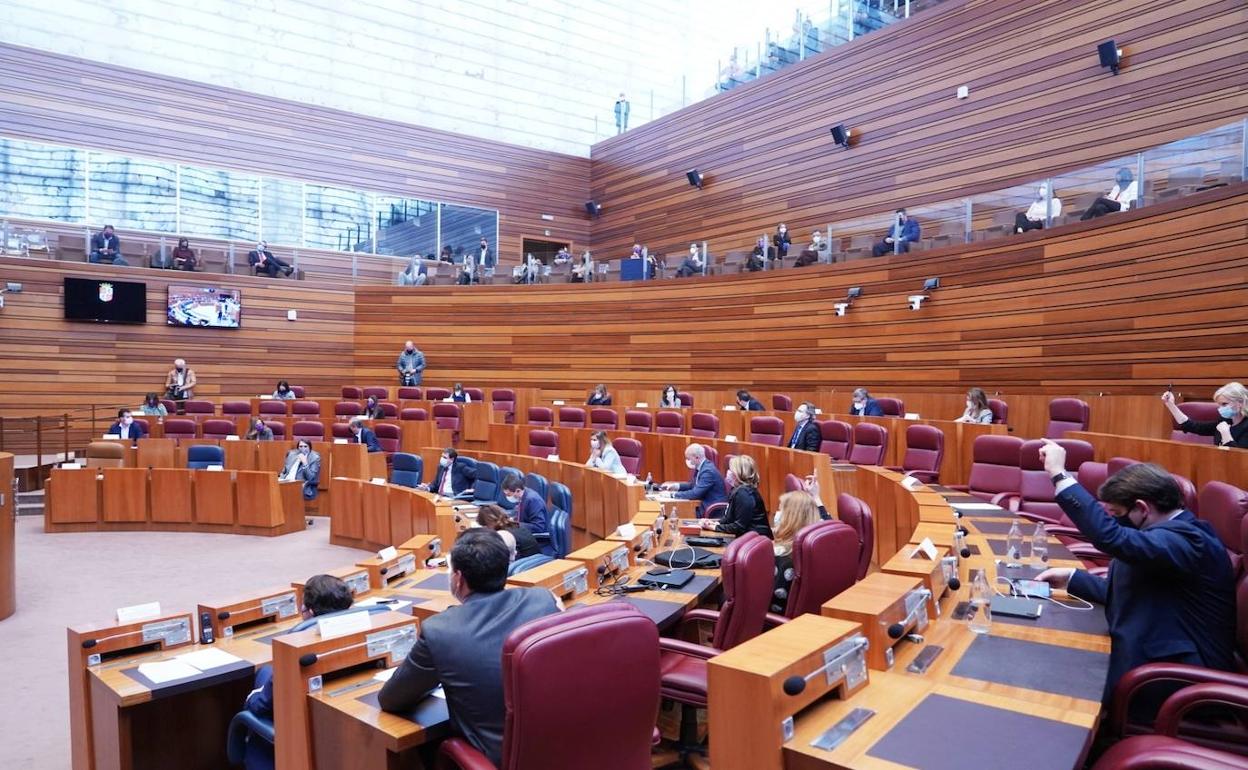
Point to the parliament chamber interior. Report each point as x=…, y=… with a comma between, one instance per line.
x=858, y=386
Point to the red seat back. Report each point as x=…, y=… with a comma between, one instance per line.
x=278, y=428
x=447, y=415
x=541, y=415
x=219, y=429
x=390, y=436
x=630, y=452
x=825, y=562
x=298, y=390
x=543, y=443
x=411, y=394
x=857, y=514
x=351, y=393
x=414, y=413
x=1066, y=414
x=571, y=417
x=1205, y=411
x=637, y=420
x=836, y=439
x=892, y=407
x=766, y=430
x=313, y=430
x=273, y=408
x=1000, y=411
x=476, y=394
x=748, y=572
x=704, y=424
x=179, y=427
x=669, y=422
x=235, y=408
x=870, y=442
x=603, y=419
x=437, y=394
x=377, y=392
x=792, y=482
x=339, y=430
x=504, y=400
x=1225, y=507
x=199, y=409
x=686, y=398
x=781, y=402
x=345, y=409
x=994, y=465
x=1035, y=487
x=305, y=408
x=925, y=449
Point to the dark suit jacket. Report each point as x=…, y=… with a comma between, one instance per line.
x=596, y=400
x=806, y=437
x=755, y=406
x=137, y=430
x=909, y=230
x=870, y=409
x=531, y=512
x=462, y=647
x=253, y=256
x=462, y=477
x=746, y=513
x=782, y=242
x=100, y=241
x=309, y=474
x=1170, y=592
x=368, y=438
x=706, y=485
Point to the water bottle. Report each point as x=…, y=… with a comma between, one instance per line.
x=980, y=617
x=1014, y=545
x=649, y=482
x=1039, y=546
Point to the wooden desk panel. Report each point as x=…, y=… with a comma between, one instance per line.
x=475, y=424
x=72, y=497
x=257, y=499
x=124, y=493
x=240, y=455
x=214, y=497
x=171, y=497
x=8, y=539
x=346, y=520
x=271, y=455
x=1199, y=462
x=157, y=453
x=350, y=461
x=375, y=513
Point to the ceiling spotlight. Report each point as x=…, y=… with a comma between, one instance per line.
x=855, y=292
x=931, y=283
x=840, y=135
x=1110, y=55
x=695, y=177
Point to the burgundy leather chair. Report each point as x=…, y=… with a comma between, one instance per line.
x=704, y=425
x=826, y=556
x=837, y=439
x=571, y=417
x=925, y=451
x=376, y=391
x=390, y=437
x=766, y=430
x=792, y=482
x=437, y=394
x=414, y=413
x=613, y=648
x=236, y=409
x=312, y=430
x=543, y=443
x=351, y=393
x=305, y=408
x=298, y=390
x=870, y=443
x=748, y=572
x=179, y=427
x=1206, y=411
x=476, y=394
x=340, y=430
x=1162, y=752
x=1000, y=411
x=994, y=467
x=273, y=408
x=199, y=410
x=630, y=452
x=278, y=428
x=504, y=400
x=541, y=416
x=781, y=403
x=1066, y=414
x=411, y=393
x=638, y=421
x=603, y=419
x=171, y=406
x=447, y=415
x=219, y=429
x=1225, y=507
x=670, y=422
x=857, y=514
x=345, y=410
x=1034, y=498
x=686, y=398
x=712, y=454
x=892, y=407
x=389, y=409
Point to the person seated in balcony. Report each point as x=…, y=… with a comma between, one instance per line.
x=781, y=241
x=373, y=410
x=184, y=256
x=127, y=427
x=415, y=274
x=865, y=406
x=746, y=511
x=263, y=261
x=670, y=399
x=1033, y=218
x=1120, y=197
x=797, y=511
x=152, y=407
x=976, y=407
x=693, y=263
x=563, y=256
x=817, y=251
x=447, y=255
x=259, y=431
x=603, y=455
x=468, y=270
x=600, y=396
x=283, y=391
x=583, y=271
x=760, y=256
x=485, y=255
x=1231, y=430
x=106, y=247
x=459, y=395
x=904, y=232
x=747, y=403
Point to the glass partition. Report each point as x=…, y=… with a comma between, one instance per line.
x=337, y=218
x=132, y=193
x=1197, y=163
x=218, y=204
x=42, y=182
x=993, y=215
x=462, y=228
x=281, y=211
x=406, y=226
x=1078, y=190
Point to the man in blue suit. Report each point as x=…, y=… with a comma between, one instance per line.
x=365, y=436
x=904, y=232
x=706, y=485
x=748, y=403
x=528, y=506
x=864, y=405
x=127, y=427
x=806, y=434
x=454, y=476
x=1170, y=592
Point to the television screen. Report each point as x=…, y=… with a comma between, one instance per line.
x=204, y=306
x=107, y=301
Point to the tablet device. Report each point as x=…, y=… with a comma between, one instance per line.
x=1016, y=607
x=673, y=579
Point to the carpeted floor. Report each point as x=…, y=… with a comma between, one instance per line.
x=66, y=579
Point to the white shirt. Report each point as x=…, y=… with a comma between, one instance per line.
x=1125, y=197
x=446, y=483
x=1036, y=212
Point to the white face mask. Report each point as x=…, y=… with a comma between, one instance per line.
x=691, y=464
x=816, y=239
x=800, y=415
x=444, y=462
x=775, y=520
x=593, y=445
x=515, y=498
x=970, y=405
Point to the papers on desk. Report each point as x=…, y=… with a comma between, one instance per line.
x=207, y=658
x=977, y=507
x=385, y=674
x=167, y=670
x=394, y=605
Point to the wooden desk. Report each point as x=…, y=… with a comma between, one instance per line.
x=8, y=538
x=373, y=516
x=1199, y=462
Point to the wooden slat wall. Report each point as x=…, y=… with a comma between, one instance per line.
x=64, y=100
x=1039, y=104
x=1124, y=305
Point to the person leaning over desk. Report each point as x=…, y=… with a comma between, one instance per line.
x=363, y=435
x=462, y=647
x=1170, y=592
x=303, y=464
x=746, y=510
x=747, y=403
x=603, y=455
x=495, y=518
x=528, y=507
x=1229, y=431
x=706, y=485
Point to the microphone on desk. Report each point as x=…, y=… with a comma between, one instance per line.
x=223, y=615
x=896, y=630
x=308, y=659
x=89, y=643
x=956, y=583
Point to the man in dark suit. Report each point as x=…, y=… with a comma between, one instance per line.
x=528, y=507
x=363, y=435
x=485, y=255
x=457, y=481
x=904, y=232
x=263, y=261
x=864, y=405
x=462, y=647
x=106, y=247
x=747, y=403
x=706, y=485
x=806, y=433
x=127, y=427
x=1170, y=592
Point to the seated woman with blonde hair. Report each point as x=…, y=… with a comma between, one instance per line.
x=1231, y=430
x=746, y=510
x=798, y=510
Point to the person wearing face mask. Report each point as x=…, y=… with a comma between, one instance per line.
x=495, y=518
x=454, y=477
x=603, y=455
x=865, y=406
x=263, y=261
x=705, y=485
x=904, y=232
x=747, y=403
x=806, y=435
x=458, y=394
x=462, y=646
x=151, y=407
x=411, y=365
x=1231, y=430
x=600, y=396
x=283, y=392
x=977, y=409
x=302, y=464
x=781, y=241
x=693, y=263
x=819, y=250
x=259, y=431
x=180, y=382
x=1038, y=213
x=1119, y=198
x=760, y=256
x=1170, y=591
x=798, y=510
x=485, y=255
x=746, y=510
x=184, y=256
x=106, y=247
x=527, y=506
x=670, y=399
x=363, y=435
x=127, y=427
x=583, y=270
x=373, y=410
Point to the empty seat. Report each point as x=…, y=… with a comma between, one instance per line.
x=437, y=394
x=1066, y=414
x=560, y=518
x=278, y=428
x=219, y=429
x=504, y=400
x=447, y=415
x=994, y=466
x=389, y=409
x=925, y=451
x=892, y=407
x=345, y=410
x=571, y=417
x=202, y=455
x=476, y=394
x=407, y=469
x=485, y=489
x=298, y=390
x=351, y=392
x=312, y=430
x=305, y=408
x=704, y=425
x=1000, y=411
x=410, y=394
x=630, y=452
x=781, y=402
x=686, y=398
x=377, y=392
x=414, y=413
x=199, y=409
x=236, y=409
x=1204, y=411
x=1225, y=507
x=179, y=427
x=339, y=430
x=389, y=435
x=273, y=408
x=870, y=443
x=170, y=405
x=543, y=443
x=669, y=422
x=857, y=514
x=638, y=421
x=541, y=416
x=766, y=430
x=1034, y=499
x=106, y=454
x=603, y=419
x=836, y=439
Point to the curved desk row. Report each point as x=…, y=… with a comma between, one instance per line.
x=1201, y=463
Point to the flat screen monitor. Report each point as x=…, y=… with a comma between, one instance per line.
x=204, y=306
x=105, y=301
